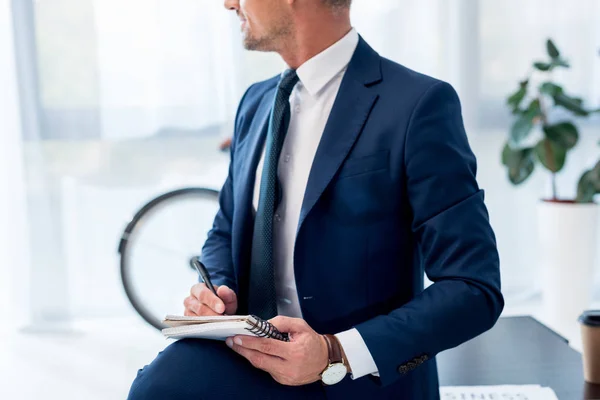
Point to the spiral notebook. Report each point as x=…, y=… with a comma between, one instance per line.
x=220, y=327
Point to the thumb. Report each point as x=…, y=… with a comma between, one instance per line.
x=226, y=294
x=229, y=298
x=288, y=325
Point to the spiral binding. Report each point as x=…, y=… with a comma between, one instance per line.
x=262, y=328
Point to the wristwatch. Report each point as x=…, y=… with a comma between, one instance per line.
x=336, y=370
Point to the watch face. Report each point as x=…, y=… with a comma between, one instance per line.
x=334, y=374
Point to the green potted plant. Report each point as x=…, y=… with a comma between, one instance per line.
x=543, y=133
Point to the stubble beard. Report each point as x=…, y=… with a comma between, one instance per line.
x=272, y=41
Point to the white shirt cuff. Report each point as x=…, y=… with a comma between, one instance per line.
x=357, y=353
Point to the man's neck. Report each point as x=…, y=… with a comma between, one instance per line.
x=308, y=41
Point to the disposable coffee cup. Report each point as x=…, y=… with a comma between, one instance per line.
x=590, y=335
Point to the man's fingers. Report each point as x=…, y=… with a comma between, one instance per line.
x=229, y=298
x=264, y=345
x=206, y=297
x=226, y=294
x=215, y=303
x=287, y=324
x=187, y=302
x=259, y=360
x=197, y=289
x=188, y=313
x=198, y=308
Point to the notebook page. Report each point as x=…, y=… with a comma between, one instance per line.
x=216, y=331
x=214, y=318
x=178, y=320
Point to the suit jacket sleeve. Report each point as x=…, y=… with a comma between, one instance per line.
x=217, y=254
x=455, y=240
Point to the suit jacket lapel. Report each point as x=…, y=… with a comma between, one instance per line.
x=353, y=105
x=252, y=147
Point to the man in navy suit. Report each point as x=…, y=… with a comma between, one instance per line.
x=351, y=176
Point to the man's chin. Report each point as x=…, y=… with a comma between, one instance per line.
x=255, y=45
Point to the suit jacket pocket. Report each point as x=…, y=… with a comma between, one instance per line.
x=362, y=198
x=361, y=165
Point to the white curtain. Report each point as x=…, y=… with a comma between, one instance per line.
x=138, y=51
x=14, y=260
x=144, y=51
x=136, y=95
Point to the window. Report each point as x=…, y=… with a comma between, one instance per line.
x=133, y=97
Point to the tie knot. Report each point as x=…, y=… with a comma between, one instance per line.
x=288, y=81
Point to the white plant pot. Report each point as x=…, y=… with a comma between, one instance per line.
x=568, y=242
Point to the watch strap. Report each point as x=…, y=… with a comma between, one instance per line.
x=334, y=348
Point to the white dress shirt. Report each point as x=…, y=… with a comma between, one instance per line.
x=311, y=103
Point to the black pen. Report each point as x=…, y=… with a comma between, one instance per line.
x=195, y=261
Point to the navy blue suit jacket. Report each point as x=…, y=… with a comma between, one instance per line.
x=391, y=195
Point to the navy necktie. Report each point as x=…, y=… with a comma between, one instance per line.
x=262, y=300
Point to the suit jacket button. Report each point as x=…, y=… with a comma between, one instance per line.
x=402, y=369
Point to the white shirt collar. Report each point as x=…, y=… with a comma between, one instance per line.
x=317, y=72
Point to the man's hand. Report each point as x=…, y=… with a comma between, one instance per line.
x=202, y=302
x=294, y=363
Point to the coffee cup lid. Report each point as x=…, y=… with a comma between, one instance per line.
x=590, y=318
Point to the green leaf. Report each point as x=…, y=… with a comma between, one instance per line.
x=585, y=188
x=574, y=105
x=551, y=155
x=564, y=134
x=514, y=101
x=550, y=89
x=520, y=163
x=549, y=66
x=560, y=62
x=524, y=123
x=542, y=66
x=552, y=50
x=507, y=153
x=589, y=185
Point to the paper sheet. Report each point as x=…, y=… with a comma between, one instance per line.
x=525, y=392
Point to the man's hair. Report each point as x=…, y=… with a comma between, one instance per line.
x=338, y=3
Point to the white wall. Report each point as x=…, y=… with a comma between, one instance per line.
x=13, y=249
x=512, y=209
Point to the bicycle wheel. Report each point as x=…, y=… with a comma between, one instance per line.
x=156, y=247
